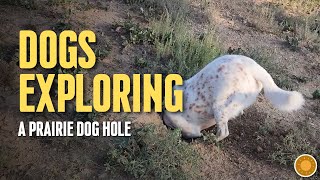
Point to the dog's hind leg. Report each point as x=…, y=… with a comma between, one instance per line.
x=242, y=112
x=222, y=130
x=222, y=117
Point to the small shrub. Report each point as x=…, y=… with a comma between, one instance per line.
x=134, y=1
x=304, y=31
x=61, y=26
x=310, y=33
x=276, y=17
x=132, y=33
x=65, y=22
x=300, y=6
x=84, y=116
x=152, y=8
x=150, y=153
x=264, y=18
x=5, y=75
x=283, y=81
x=292, y=42
x=140, y=62
x=287, y=26
x=102, y=50
x=179, y=49
x=316, y=94
x=3, y=158
x=59, y=2
x=9, y=75
x=209, y=137
x=73, y=71
x=28, y=4
x=293, y=144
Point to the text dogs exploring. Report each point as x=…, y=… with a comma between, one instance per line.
x=51, y=50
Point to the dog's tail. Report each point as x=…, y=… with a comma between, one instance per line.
x=281, y=99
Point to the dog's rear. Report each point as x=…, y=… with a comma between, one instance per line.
x=281, y=99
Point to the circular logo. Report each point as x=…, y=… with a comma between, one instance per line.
x=305, y=165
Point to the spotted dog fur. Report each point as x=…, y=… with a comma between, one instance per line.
x=221, y=91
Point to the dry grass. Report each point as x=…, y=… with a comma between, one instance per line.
x=154, y=8
x=295, y=21
x=300, y=6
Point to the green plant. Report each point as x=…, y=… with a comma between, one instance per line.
x=292, y=42
x=177, y=49
x=283, y=81
x=61, y=26
x=316, y=94
x=296, y=21
x=150, y=153
x=73, y=71
x=264, y=18
x=300, y=6
x=287, y=26
x=133, y=33
x=151, y=8
x=293, y=144
x=303, y=29
x=310, y=33
x=64, y=23
x=28, y=4
x=209, y=137
x=102, y=51
x=134, y=1
x=3, y=158
x=180, y=50
x=140, y=62
x=59, y=2
x=91, y=116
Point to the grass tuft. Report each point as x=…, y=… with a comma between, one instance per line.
x=156, y=8
x=59, y=2
x=316, y=94
x=28, y=4
x=150, y=153
x=133, y=33
x=293, y=144
x=180, y=50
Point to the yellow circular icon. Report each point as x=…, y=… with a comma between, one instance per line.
x=305, y=165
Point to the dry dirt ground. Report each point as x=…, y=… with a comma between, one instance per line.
x=243, y=155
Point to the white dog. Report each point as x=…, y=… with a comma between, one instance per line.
x=221, y=91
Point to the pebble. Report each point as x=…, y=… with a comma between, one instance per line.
x=259, y=149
